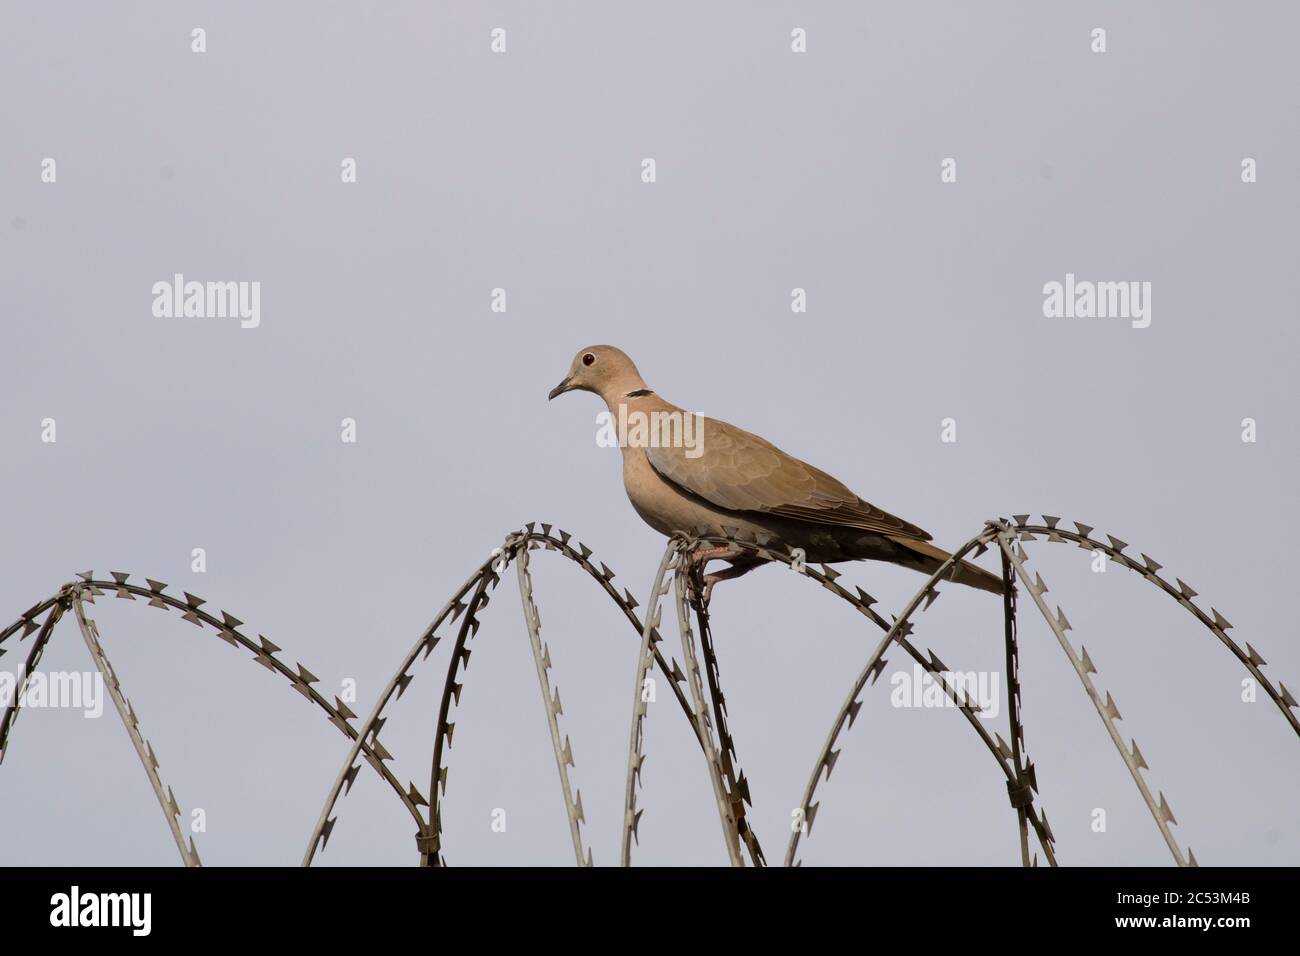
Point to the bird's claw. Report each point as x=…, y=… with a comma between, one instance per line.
x=700, y=599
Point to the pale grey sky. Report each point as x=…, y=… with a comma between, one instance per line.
x=522, y=171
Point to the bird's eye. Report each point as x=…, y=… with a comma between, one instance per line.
x=589, y=359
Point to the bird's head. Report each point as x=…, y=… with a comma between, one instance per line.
x=602, y=369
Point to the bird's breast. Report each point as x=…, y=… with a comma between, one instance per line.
x=659, y=503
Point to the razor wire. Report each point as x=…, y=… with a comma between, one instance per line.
x=726, y=812
x=227, y=628
x=429, y=838
x=730, y=787
x=1215, y=622
x=1107, y=711
x=55, y=607
x=551, y=704
x=862, y=602
x=143, y=748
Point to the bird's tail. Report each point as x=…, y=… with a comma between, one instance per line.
x=928, y=558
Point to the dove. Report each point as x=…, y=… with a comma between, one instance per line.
x=710, y=476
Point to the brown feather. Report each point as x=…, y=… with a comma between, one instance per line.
x=739, y=471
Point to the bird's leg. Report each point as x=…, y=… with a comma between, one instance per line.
x=738, y=567
x=700, y=585
x=697, y=588
x=702, y=556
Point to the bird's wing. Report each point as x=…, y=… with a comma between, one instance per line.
x=739, y=471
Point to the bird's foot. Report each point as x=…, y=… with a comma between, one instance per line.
x=699, y=586
x=699, y=597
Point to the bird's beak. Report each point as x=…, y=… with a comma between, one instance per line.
x=561, y=388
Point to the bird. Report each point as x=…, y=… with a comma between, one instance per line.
x=713, y=478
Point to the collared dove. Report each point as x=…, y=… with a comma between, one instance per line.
x=715, y=476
